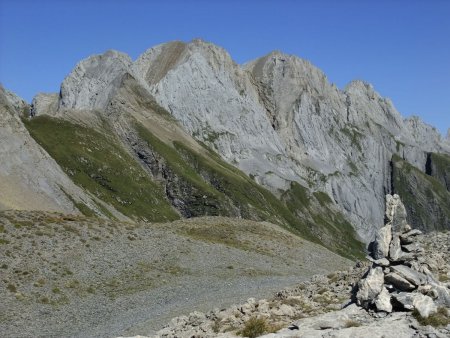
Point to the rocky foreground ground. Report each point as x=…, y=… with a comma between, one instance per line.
x=402, y=290
x=322, y=307
x=74, y=276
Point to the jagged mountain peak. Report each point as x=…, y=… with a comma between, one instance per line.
x=93, y=80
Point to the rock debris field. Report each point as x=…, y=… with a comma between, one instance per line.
x=402, y=290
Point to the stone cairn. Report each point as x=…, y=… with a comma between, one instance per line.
x=399, y=278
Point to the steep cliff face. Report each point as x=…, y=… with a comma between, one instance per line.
x=280, y=120
x=214, y=100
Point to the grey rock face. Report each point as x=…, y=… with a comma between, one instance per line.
x=94, y=80
x=276, y=118
x=44, y=104
x=370, y=287
x=279, y=119
x=422, y=303
x=382, y=241
x=219, y=106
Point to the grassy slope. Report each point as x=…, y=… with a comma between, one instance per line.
x=441, y=168
x=329, y=225
x=426, y=199
x=212, y=175
x=99, y=164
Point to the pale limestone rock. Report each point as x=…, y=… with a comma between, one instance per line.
x=409, y=274
x=383, y=301
x=399, y=282
x=44, y=104
x=396, y=214
x=422, y=303
x=395, y=249
x=370, y=286
x=94, y=80
x=382, y=241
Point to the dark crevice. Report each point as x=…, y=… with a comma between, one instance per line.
x=391, y=167
x=428, y=166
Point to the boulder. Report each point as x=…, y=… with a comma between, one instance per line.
x=408, y=237
x=396, y=214
x=381, y=262
x=422, y=303
x=395, y=249
x=413, y=247
x=442, y=293
x=370, y=287
x=399, y=282
x=382, y=241
x=410, y=275
x=383, y=301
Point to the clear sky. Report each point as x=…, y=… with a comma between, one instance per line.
x=401, y=47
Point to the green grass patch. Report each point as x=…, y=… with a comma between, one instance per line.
x=99, y=164
x=252, y=200
x=420, y=192
x=438, y=319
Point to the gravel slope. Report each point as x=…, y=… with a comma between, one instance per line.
x=77, y=277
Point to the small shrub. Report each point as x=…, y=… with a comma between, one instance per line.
x=352, y=323
x=12, y=288
x=443, y=278
x=440, y=318
x=254, y=327
x=322, y=291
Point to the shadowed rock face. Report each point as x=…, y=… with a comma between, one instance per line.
x=29, y=178
x=277, y=118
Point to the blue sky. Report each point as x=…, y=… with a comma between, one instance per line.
x=401, y=47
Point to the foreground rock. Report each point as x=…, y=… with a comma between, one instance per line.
x=395, y=298
x=399, y=267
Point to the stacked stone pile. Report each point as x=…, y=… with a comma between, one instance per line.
x=400, y=277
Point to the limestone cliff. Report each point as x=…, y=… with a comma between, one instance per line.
x=277, y=118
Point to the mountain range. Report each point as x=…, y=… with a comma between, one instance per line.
x=184, y=131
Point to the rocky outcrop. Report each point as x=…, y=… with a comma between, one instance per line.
x=93, y=81
x=403, y=280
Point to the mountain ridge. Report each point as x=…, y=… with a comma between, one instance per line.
x=276, y=118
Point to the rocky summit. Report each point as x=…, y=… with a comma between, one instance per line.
x=183, y=180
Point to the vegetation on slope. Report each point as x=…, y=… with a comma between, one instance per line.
x=233, y=190
x=328, y=224
x=99, y=164
x=438, y=166
x=426, y=200
x=196, y=184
